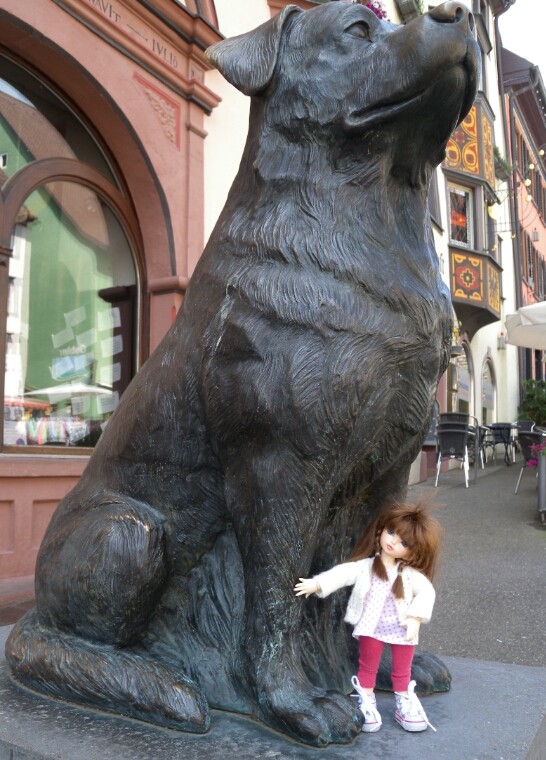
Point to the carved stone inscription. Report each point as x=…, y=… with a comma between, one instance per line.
x=132, y=26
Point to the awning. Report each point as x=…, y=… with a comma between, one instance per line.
x=527, y=328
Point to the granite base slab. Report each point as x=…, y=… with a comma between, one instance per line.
x=493, y=712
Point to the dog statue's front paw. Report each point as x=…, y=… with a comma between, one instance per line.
x=430, y=673
x=427, y=670
x=308, y=714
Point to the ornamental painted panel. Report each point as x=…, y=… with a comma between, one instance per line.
x=462, y=149
x=467, y=281
x=493, y=288
x=487, y=151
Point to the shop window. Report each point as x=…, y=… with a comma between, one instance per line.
x=460, y=216
x=71, y=319
x=531, y=264
x=71, y=323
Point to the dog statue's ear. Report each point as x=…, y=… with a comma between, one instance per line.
x=248, y=60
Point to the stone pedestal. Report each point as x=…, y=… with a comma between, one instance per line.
x=493, y=711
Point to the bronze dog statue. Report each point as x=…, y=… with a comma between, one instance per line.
x=283, y=408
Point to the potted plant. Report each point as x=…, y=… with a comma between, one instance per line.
x=533, y=403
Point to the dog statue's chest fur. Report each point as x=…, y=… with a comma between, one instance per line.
x=321, y=272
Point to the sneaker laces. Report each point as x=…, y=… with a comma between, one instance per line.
x=412, y=705
x=366, y=703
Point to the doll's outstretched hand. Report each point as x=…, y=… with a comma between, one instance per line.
x=412, y=628
x=306, y=586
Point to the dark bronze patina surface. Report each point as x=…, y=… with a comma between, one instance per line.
x=283, y=408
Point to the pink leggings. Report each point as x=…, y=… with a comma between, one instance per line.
x=370, y=656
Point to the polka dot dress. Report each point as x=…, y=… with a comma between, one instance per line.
x=379, y=618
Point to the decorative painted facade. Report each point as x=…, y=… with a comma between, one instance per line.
x=475, y=278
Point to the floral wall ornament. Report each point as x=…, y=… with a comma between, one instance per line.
x=374, y=5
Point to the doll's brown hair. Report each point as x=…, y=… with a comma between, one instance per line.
x=417, y=527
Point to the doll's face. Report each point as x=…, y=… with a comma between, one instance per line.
x=392, y=546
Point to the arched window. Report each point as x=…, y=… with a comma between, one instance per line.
x=71, y=290
x=489, y=394
x=461, y=382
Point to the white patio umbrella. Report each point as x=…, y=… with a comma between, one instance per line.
x=68, y=390
x=527, y=327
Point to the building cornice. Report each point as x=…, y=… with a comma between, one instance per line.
x=167, y=40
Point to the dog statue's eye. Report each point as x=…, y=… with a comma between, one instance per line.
x=360, y=29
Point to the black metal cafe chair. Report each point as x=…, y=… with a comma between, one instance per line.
x=475, y=433
x=452, y=443
x=527, y=441
x=525, y=426
x=445, y=417
x=484, y=436
x=501, y=435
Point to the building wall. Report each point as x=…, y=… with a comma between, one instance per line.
x=227, y=125
x=138, y=83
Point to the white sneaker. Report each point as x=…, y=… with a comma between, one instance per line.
x=366, y=702
x=409, y=711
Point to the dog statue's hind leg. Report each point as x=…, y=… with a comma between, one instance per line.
x=79, y=643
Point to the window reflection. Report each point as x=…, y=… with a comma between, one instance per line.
x=71, y=297
x=460, y=216
x=69, y=330
x=35, y=124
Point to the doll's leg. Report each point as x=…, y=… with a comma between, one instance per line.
x=409, y=711
x=370, y=651
x=364, y=683
x=402, y=657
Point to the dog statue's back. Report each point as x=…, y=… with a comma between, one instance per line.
x=286, y=404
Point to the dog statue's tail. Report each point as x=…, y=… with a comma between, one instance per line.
x=103, y=677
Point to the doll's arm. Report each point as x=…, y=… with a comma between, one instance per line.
x=423, y=600
x=306, y=587
x=331, y=580
x=412, y=628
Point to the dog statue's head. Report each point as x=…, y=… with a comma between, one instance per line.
x=337, y=73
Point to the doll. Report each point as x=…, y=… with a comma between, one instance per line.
x=390, y=569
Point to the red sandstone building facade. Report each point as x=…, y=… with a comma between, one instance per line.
x=102, y=108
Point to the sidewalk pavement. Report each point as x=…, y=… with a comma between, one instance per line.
x=491, y=584
x=489, y=627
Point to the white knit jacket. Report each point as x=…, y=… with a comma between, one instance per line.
x=419, y=594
